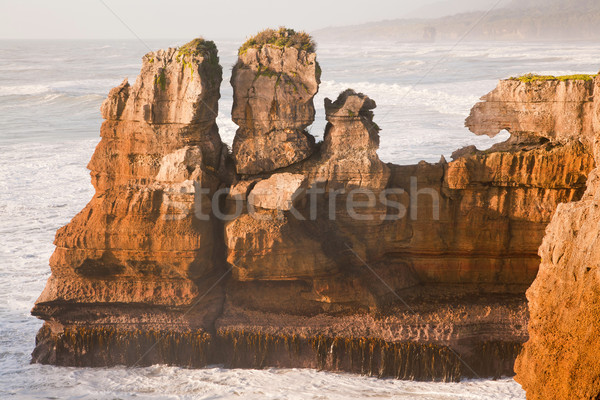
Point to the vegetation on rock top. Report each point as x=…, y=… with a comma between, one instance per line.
x=282, y=37
x=533, y=78
x=198, y=47
x=207, y=49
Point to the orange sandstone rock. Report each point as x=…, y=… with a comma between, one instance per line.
x=560, y=360
x=273, y=90
x=138, y=240
x=328, y=247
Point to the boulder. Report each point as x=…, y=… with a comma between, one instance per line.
x=279, y=192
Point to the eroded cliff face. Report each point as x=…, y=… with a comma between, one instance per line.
x=423, y=277
x=560, y=360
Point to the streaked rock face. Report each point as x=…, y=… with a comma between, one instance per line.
x=273, y=90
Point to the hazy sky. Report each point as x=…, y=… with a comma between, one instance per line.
x=90, y=19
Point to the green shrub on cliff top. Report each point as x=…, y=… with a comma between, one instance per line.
x=282, y=37
x=533, y=78
x=198, y=46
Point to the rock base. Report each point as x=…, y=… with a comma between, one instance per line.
x=103, y=347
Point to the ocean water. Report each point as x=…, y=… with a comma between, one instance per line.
x=50, y=94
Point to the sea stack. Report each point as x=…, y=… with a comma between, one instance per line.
x=137, y=255
x=274, y=82
x=288, y=253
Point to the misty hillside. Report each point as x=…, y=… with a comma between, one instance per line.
x=560, y=5
x=443, y=8
x=538, y=20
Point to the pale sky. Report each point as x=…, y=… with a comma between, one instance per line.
x=219, y=19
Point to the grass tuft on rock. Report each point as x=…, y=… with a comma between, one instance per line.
x=535, y=78
x=282, y=37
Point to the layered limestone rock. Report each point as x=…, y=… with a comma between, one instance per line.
x=444, y=235
x=350, y=143
x=326, y=256
x=263, y=247
x=138, y=242
x=560, y=360
x=476, y=220
x=274, y=82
